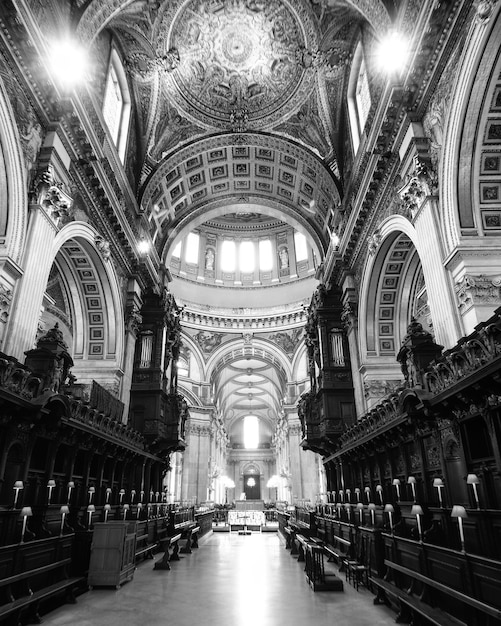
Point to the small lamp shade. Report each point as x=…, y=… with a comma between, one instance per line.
x=26, y=511
x=472, y=479
x=51, y=483
x=411, y=480
x=360, y=506
x=371, y=506
x=396, y=482
x=388, y=508
x=379, y=488
x=438, y=482
x=417, y=509
x=458, y=511
x=107, y=507
x=71, y=485
x=64, y=509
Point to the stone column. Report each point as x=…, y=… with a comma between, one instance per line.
x=132, y=325
x=49, y=204
x=443, y=305
x=349, y=319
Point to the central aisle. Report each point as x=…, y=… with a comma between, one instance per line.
x=237, y=580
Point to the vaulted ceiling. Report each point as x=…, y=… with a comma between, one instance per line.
x=239, y=109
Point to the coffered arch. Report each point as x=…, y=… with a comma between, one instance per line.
x=393, y=282
x=472, y=137
x=86, y=298
x=274, y=175
x=13, y=183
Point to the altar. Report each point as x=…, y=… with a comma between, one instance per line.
x=246, y=520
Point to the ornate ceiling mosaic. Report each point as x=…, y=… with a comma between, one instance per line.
x=241, y=64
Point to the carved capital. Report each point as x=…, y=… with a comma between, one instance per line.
x=103, y=245
x=479, y=289
x=5, y=302
x=134, y=320
x=374, y=241
x=420, y=184
x=50, y=195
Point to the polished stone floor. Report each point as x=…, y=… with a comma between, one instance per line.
x=237, y=580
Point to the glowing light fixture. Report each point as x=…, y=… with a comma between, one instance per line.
x=143, y=246
x=69, y=62
x=460, y=513
x=393, y=53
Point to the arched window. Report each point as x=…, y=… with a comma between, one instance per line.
x=191, y=248
x=359, y=96
x=116, y=106
x=228, y=260
x=246, y=257
x=251, y=432
x=265, y=255
x=301, y=246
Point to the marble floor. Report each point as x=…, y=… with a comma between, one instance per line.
x=237, y=580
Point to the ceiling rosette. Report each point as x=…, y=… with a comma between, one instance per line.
x=239, y=64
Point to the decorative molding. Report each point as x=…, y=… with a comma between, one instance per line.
x=480, y=289
x=5, y=302
x=103, y=246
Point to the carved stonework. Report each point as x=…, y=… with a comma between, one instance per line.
x=208, y=341
x=146, y=66
x=484, y=10
x=235, y=63
x=134, y=320
x=5, y=302
x=420, y=184
x=49, y=194
x=349, y=315
x=288, y=340
x=373, y=242
x=481, y=289
x=381, y=388
x=103, y=245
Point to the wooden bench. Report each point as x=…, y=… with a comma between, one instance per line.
x=409, y=604
x=24, y=592
x=288, y=537
x=170, y=546
x=302, y=542
x=190, y=541
x=144, y=549
x=339, y=551
x=319, y=577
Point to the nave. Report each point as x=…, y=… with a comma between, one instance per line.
x=230, y=579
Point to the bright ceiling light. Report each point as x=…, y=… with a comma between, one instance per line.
x=69, y=62
x=393, y=53
x=143, y=246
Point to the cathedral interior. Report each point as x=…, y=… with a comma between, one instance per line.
x=250, y=260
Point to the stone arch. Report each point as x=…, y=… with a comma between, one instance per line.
x=13, y=184
x=386, y=289
x=96, y=305
x=471, y=137
x=97, y=16
x=375, y=12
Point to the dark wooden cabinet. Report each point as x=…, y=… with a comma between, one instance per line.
x=113, y=554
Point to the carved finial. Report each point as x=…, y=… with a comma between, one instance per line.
x=54, y=335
